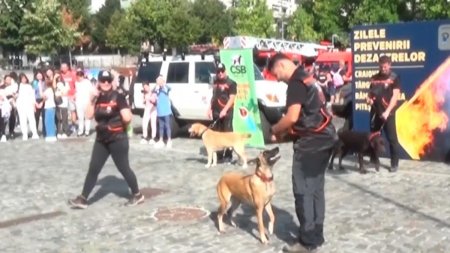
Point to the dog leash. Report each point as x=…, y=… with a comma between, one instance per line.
x=210, y=126
x=382, y=125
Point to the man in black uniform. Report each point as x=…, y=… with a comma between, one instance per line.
x=221, y=107
x=315, y=136
x=383, y=95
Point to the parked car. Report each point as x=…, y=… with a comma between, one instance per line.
x=191, y=91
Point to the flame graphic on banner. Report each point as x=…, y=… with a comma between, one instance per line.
x=424, y=114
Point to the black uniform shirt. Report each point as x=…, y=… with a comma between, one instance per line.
x=107, y=114
x=221, y=93
x=314, y=130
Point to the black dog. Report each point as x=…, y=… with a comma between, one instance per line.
x=362, y=143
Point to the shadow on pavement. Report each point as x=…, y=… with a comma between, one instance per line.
x=285, y=227
x=398, y=204
x=110, y=184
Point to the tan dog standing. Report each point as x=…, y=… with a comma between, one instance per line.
x=256, y=189
x=216, y=141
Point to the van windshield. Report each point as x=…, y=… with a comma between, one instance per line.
x=148, y=72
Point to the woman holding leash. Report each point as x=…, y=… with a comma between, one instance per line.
x=112, y=113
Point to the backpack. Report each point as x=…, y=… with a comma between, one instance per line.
x=338, y=80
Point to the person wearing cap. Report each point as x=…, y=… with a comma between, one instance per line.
x=314, y=137
x=221, y=107
x=112, y=113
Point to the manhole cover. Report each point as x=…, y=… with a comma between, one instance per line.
x=180, y=214
x=151, y=192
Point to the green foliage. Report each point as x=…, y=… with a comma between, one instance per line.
x=215, y=21
x=43, y=29
x=370, y=12
x=11, y=15
x=253, y=18
x=102, y=19
x=301, y=26
x=181, y=28
x=121, y=33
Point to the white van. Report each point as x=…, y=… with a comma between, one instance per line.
x=191, y=91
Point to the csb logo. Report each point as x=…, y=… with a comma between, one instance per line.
x=237, y=67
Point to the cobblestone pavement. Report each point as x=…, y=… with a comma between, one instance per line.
x=408, y=211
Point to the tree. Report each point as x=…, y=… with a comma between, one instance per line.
x=370, y=12
x=122, y=33
x=253, y=18
x=216, y=21
x=434, y=9
x=45, y=28
x=181, y=28
x=301, y=26
x=79, y=11
x=163, y=22
x=101, y=21
x=11, y=15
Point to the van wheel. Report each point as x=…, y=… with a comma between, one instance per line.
x=265, y=127
x=174, y=126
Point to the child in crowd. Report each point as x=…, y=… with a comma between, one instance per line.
x=150, y=114
x=164, y=112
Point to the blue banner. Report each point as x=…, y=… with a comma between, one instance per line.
x=420, y=54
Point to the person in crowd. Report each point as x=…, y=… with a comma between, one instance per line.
x=150, y=115
x=5, y=109
x=340, y=78
x=61, y=89
x=221, y=107
x=324, y=79
x=83, y=90
x=26, y=106
x=314, y=138
x=112, y=114
x=69, y=78
x=164, y=112
x=49, y=111
x=38, y=85
x=11, y=89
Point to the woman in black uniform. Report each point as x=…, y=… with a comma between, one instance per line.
x=112, y=115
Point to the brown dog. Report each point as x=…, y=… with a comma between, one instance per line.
x=362, y=144
x=216, y=141
x=256, y=189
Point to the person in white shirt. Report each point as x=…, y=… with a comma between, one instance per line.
x=26, y=105
x=61, y=89
x=49, y=112
x=83, y=91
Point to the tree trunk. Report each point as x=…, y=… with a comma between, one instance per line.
x=70, y=58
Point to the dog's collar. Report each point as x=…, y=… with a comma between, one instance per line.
x=201, y=134
x=263, y=177
x=373, y=135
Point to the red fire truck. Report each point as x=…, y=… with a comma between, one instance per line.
x=265, y=48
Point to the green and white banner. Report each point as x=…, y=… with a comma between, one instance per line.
x=246, y=119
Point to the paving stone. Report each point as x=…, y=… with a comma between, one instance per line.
x=407, y=211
